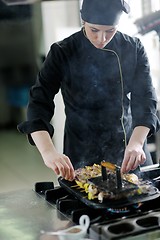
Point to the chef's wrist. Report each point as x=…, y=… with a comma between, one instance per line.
x=138, y=136
x=135, y=143
x=51, y=150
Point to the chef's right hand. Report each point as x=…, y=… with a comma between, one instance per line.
x=60, y=164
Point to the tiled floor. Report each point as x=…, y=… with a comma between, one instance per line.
x=20, y=163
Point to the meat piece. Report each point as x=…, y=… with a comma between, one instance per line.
x=133, y=178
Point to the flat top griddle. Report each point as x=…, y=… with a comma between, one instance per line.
x=107, y=203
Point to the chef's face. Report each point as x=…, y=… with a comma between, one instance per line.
x=99, y=35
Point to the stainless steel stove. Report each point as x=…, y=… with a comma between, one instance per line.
x=25, y=213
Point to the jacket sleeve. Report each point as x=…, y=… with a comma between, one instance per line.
x=41, y=106
x=143, y=96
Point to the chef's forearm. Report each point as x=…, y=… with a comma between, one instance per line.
x=139, y=135
x=43, y=142
x=59, y=163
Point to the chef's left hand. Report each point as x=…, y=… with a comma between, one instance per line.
x=133, y=157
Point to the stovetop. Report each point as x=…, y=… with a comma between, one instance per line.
x=72, y=207
x=25, y=213
x=120, y=223
x=140, y=219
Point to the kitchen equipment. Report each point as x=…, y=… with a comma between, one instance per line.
x=113, y=167
x=136, y=225
x=123, y=193
x=137, y=220
x=77, y=232
x=82, y=196
x=53, y=208
x=134, y=221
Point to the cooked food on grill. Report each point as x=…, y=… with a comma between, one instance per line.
x=89, y=179
x=131, y=177
x=83, y=174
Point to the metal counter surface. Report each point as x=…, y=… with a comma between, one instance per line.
x=24, y=213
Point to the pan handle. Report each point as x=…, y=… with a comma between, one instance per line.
x=109, y=165
x=150, y=167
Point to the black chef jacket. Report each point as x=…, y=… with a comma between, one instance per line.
x=106, y=92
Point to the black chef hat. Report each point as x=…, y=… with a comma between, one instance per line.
x=103, y=12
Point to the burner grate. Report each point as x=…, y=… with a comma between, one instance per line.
x=74, y=208
x=68, y=201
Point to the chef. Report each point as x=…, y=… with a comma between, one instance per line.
x=110, y=103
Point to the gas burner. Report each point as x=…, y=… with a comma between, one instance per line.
x=119, y=210
x=124, y=210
